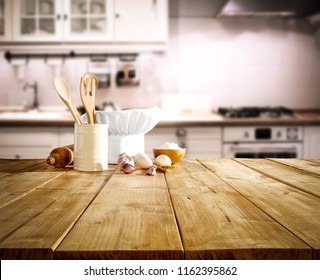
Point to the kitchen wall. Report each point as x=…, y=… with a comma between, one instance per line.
x=254, y=61
x=210, y=63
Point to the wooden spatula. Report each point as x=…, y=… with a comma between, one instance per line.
x=91, y=82
x=88, y=99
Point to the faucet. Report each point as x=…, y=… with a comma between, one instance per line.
x=35, y=103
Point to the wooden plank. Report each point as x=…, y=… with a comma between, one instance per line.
x=314, y=160
x=2, y=174
x=296, y=210
x=216, y=222
x=305, y=165
x=16, y=185
x=25, y=177
x=294, y=177
x=44, y=167
x=131, y=218
x=34, y=225
x=14, y=165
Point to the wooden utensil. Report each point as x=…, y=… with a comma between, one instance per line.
x=65, y=94
x=61, y=156
x=87, y=98
x=91, y=83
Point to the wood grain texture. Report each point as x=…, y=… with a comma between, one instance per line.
x=131, y=218
x=25, y=177
x=296, y=210
x=14, y=165
x=16, y=185
x=305, y=165
x=206, y=209
x=298, y=178
x=314, y=160
x=34, y=225
x=216, y=222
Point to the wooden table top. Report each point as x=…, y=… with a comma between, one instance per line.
x=201, y=209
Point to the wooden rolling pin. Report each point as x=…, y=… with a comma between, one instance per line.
x=61, y=156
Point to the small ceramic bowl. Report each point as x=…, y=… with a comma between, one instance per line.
x=174, y=154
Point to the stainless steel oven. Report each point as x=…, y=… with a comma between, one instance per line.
x=262, y=142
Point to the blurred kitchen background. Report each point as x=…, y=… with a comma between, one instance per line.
x=187, y=57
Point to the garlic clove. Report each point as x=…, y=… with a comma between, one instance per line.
x=128, y=168
x=152, y=171
x=163, y=160
x=143, y=161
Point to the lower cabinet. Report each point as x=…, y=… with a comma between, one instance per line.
x=311, y=143
x=200, y=141
x=32, y=142
x=37, y=142
x=66, y=136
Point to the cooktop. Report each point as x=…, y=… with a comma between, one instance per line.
x=256, y=112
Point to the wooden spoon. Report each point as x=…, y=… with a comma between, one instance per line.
x=87, y=99
x=91, y=82
x=65, y=94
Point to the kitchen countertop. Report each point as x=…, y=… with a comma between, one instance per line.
x=303, y=117
x=201, y=209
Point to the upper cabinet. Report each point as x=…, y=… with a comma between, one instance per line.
x=84, y=21
x=88, y=19
x=36, y=20
x=5, y=20
x=142, y=20
x=58, y=20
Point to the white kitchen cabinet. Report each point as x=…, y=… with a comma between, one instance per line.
x=311, y=143
x=66, y=136
x=27, y=142
x=200, y=141
x=58, y=20
x=86, y=21
x=37, y=142
x=141, y=20
x=5, y=20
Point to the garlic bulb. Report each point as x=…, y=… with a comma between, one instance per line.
x=126, y=163
x=163, y=160
x=143, y=161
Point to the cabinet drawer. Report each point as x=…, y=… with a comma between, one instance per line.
x=32, y=136
x=25, y=152
x=199, y=141
x=204, y=146
x=184, y=131
x=66, y=136
x=27, y=142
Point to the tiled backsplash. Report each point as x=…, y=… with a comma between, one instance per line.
x=228, y=62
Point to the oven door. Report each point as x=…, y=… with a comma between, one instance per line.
x=262, y=150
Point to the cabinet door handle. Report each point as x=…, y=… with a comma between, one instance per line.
x=117, y=15
x=183, y=145
x=154, y=7
x=58, y=16
x=65, y=16
x=181, y=132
